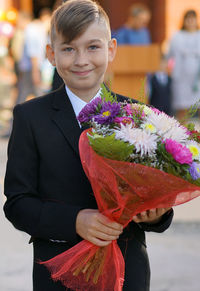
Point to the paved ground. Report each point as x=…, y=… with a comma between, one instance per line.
x=174, y=255
x=175, y=258
x=15, y=253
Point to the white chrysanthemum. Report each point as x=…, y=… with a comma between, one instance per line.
x=178, y=134
x=194, y=148
x=147, y=110
x=168, y=127
x=144, y=142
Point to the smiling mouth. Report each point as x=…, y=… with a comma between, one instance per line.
x=82, y=73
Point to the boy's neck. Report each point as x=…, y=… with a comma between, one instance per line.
x=85, y=95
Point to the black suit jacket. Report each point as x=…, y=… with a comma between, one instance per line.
x=46, y=187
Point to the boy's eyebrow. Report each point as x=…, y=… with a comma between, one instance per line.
x=89, y=42
x=94, y=40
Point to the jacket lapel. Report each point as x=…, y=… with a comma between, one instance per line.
x=65, y=119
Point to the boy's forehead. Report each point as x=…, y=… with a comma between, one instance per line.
x=96, y=31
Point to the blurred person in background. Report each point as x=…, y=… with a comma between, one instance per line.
x=17, y=52
x=135, y=31
x=28, y=49
x=36, y=38
x=160, y=83
x=184, y=49
x=7, y=74
x=17, y=41
x=29, y=53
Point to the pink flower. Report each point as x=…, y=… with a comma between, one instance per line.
x=124, y=120
x=134, y=110
x=128, y=109
x=180, y=153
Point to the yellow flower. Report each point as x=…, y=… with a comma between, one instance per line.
x=149, y=127
x=106, y=113
x=194, y=150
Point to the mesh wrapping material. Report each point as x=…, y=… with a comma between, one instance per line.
x=122, y=190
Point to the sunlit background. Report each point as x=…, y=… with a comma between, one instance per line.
x=174, y=255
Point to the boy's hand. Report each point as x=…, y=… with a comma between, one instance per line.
x=97, y=228
x=151, y=216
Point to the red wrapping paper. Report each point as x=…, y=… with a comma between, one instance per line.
x=122, y=190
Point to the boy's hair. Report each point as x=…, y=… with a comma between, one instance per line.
x=73, y=17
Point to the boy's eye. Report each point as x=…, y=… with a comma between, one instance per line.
x=68, y=49
x=93, y=47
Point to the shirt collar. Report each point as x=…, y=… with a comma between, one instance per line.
x=78, y=103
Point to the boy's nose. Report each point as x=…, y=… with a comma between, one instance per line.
x=81, y=59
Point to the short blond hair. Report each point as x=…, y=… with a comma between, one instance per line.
x=73, y=17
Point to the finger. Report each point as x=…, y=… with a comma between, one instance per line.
x=160, y=211
x=136, y=219
x=152, y=213
x=143, y=215
x=99, y=227
x=106, y=237
x=100, y=243
x=140, y=217
x=107, y=222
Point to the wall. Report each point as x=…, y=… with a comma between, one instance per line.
x=158, y=21
x=23, y=5
x=175, y=11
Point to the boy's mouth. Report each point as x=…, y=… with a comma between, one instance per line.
x=82, y=73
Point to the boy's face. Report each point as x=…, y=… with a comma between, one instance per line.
x=83, y=62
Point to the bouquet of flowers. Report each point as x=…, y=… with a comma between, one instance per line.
x=136, y=158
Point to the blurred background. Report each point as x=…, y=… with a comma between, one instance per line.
x=158, y=53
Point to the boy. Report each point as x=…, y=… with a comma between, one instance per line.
x=48, y=194
x=160, y=88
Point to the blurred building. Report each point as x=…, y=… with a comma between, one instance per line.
x=166, y=14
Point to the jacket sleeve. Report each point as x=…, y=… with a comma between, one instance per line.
x=161, y=226
x=24, y=206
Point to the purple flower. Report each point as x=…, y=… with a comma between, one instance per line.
x=180, y=153
x=89, y=110
x=194, y=171
x=108, y=113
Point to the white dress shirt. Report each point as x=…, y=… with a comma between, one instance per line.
x=78, y=103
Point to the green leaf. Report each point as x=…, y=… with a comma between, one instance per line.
x=109, y=147
x=106, y=95
x=190, y=126
x=190, y=112
x=196, y=182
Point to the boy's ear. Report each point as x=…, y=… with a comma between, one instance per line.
x=50, y=54
x=112, y=48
